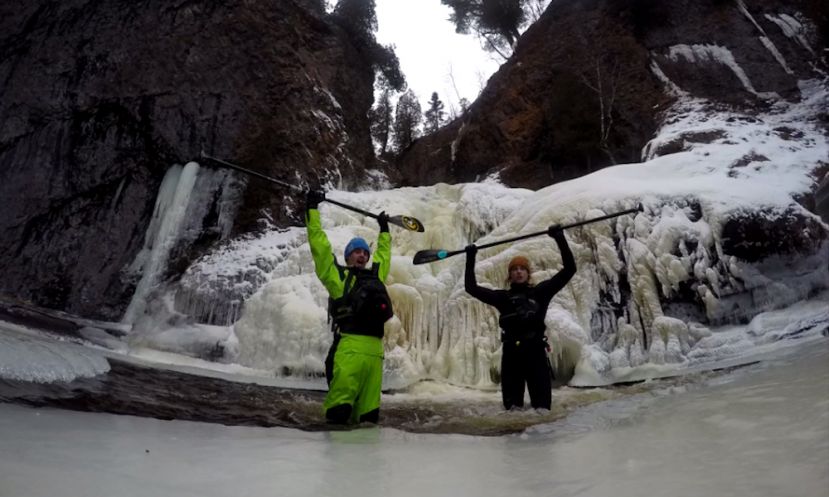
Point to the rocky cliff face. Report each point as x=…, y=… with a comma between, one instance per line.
x=100, y=99
x=587, y=82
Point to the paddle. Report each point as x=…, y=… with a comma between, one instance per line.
x=407, y=222
x=431, y=255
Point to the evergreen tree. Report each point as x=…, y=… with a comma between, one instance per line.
x=457, y=110
x=359, y=18
x=406, y=121
x=496, y=22
x=387, y=66
x=435, y=115
x=380, y=118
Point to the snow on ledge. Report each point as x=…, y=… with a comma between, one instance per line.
x=700, y=54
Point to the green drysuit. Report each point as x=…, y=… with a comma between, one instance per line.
x=358, y=361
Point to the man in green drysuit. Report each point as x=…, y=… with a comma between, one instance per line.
x=355, y=378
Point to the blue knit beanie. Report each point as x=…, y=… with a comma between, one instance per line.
x=354, y=244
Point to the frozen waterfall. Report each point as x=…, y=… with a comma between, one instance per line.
x=654, y=293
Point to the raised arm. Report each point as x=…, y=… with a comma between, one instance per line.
x=324, y=263
x=547, y=289
x=382, y=256
x=470, y=283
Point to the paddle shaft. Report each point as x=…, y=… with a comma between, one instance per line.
x=233, y=166
x=353, y=209
x=563, y=227
x=230, y=165
x=425, y=256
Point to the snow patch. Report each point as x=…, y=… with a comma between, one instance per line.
x=776, y=53
x=24, y=356
x=792, y=29
x=670, y=86
x=700, y=54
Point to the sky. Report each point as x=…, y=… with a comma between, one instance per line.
x=433, y=57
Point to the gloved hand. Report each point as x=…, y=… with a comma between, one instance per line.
x=555, y=231
x=471, y=250
x=313, y=199
x=383, y=221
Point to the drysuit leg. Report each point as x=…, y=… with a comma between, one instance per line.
x=338, y=414
x=367, y=405
x=512, y=378
x=357, y=380
x=329, y=359
x=371, y=416
x=539, y=383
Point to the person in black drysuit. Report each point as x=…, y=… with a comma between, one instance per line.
x=522, y=309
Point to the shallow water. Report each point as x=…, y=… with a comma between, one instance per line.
x=41, y=370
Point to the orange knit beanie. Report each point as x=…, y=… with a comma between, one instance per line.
x=519, y=261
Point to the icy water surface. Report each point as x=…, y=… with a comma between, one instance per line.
x=762, y=430
x=42, y=370
x=66, y=375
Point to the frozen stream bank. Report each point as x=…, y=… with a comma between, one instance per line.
x=759, y=431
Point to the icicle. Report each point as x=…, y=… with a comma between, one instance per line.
x=162, y=233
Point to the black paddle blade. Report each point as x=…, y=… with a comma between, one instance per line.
x=425, y=256
x=407, y=222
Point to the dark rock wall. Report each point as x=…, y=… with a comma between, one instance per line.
x=741, y=28
x=99, y=99
x=539, y=119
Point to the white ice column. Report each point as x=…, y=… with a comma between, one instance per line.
x=162, y=233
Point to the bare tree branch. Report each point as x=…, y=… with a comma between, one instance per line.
x=604, y=86
x=492, y=46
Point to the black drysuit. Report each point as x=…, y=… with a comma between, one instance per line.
x=522, y=309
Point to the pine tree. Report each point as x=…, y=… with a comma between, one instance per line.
x=406, y=121
x=496, y=22
x=380, y=119
x=387, y=67
x=435, y=115
x=359, y=18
